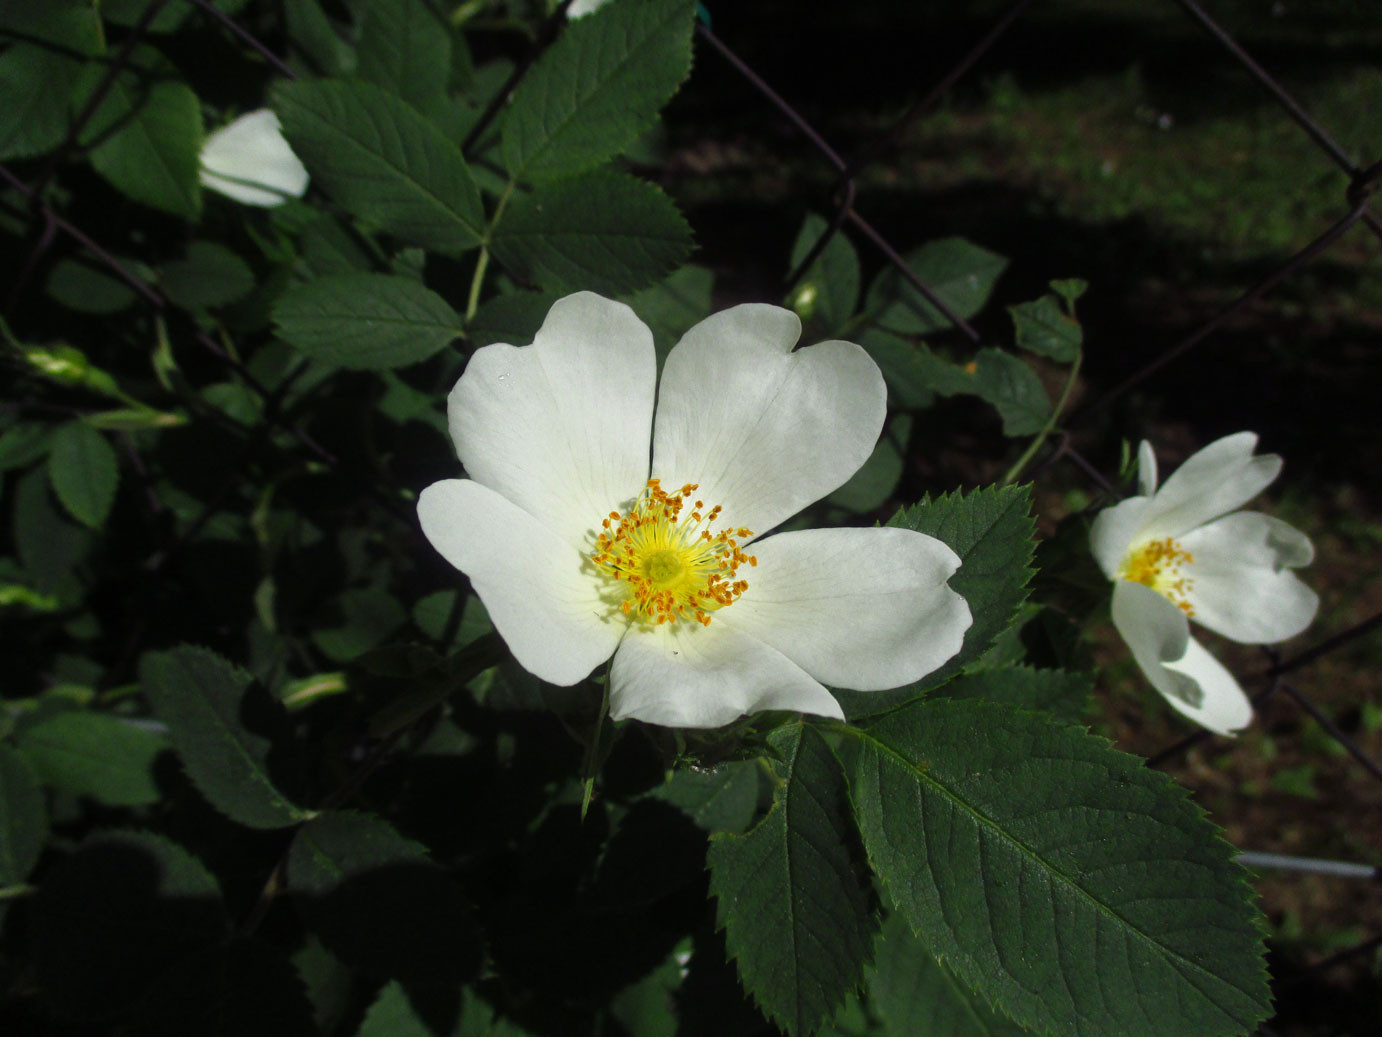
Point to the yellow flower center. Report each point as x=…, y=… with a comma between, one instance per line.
x=1157, y=564
x=673, y=567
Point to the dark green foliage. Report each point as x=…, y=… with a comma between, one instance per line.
x=223, y=731
x=916, y=994
x=793, y=894
x=90, y=754
x=115, y=916
x=378, y=902
x=383, y=161
x=597, y=88
x=366, y=321
x=994, y=831
x=605, y=231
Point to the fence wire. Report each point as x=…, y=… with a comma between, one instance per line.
x=1060, y=448
x=1363, y=183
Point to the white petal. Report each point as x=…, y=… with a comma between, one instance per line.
x=249, y=161
x=562, y=427
x=762, y=430
x=1224, y=708
x=1241, y=581
x=1113, y=532
x=1186, y=675
x=688, y=675
x=855, y=608
x=535, y=586
x=1223, y=476
x=1146, y=469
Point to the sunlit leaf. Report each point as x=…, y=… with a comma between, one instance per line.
x=599, y=86
x=1070, y=885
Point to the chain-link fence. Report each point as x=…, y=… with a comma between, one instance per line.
x=1284, y=682
x=1283, y=679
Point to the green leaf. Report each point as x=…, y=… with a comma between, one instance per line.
x=597, y=88
x=85, y=288
x=604, y=231
x=315, y=38
x=378, y=902
x=793, y=894
x=84, y=472
x=368, y=616
x=405, y=48
x=1071, y=886
x=230, y=990
x=431, y=614
x=513, y=317
x=1063, y=694
x=392, y=1015
x=366, y=321
x=49, y=546
x=217, y=726
x=146, y=134
x=828, y=292
x=1014, y=390
x=1070, y=289
x=672, y=306
x=23, y=443
x=991, y=530
x=92, y=754
x=917, y=996
x=1041, y=327
x=114, y=915
x=871, y=486
x=209, y=275
x=384, y=161
x=23, y=818
x=34, y=86
x=960, y=273
x=722, y=799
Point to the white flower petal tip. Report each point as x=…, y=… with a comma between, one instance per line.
x=579, y=554
x=1178, y=554
x=581, y=8
x=250, y=161
x=764, y=429
x=1195, y=683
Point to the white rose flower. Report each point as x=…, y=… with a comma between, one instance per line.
x=249, y=161
x=1176, y=554
x=589, y=530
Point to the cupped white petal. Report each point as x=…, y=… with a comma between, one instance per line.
x=537, y=588
x=1241, y=584
x=855, y=608
x=562, y=427
x=1114, y=531
x=688, y=675
x=1185, y=674
x=762, y=430
x=249, y=160
x=1223, y=476
x=1146, y=469
x=1224, y=708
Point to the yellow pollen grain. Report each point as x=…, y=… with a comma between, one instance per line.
x=674, y=567
x=1157, y=564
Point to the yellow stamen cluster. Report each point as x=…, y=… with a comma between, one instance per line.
x=1157, y=564
x=674, y=566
